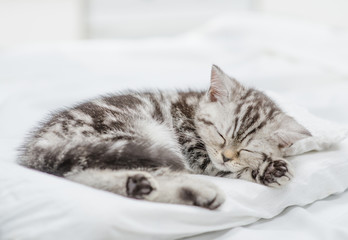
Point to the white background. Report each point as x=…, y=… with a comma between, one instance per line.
x=37, y=21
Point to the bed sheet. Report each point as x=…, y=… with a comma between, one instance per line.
x=37, y=79
x=324, y=219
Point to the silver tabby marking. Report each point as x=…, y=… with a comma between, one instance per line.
x=144, y=145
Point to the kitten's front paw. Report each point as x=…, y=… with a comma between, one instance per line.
x=276, y=173
x=205, y=196
x=141, y=186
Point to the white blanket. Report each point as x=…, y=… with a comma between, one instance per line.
x=34, y=205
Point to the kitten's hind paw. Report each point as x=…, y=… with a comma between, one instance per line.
x=277, y=173
x=141, y=186
x=205, y=196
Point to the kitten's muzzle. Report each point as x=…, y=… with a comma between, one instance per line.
x=225, y=159
x=228, y=155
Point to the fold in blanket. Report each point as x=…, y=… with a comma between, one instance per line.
x=325, y=134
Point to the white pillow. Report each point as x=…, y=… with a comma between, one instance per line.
x=325, y=133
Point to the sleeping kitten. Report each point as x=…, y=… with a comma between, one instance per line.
x=145, y=145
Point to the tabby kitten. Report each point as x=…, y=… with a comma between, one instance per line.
x=145, y=145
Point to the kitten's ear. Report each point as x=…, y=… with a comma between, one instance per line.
x=289, y=132
x=221, y=85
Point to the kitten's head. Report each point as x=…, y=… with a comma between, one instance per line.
x=241, y=126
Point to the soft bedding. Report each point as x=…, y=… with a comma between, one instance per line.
x=50, y=205
x=325, y=219
x=39, y=206
x=35, y=205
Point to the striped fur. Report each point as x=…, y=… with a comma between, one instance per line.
x=145, y=144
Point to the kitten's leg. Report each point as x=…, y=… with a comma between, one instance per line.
x=128, y=183
x=185, y=189
x=269, y=172
x=159, y=186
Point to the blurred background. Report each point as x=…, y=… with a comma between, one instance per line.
x=36, y=21
x=54, y=53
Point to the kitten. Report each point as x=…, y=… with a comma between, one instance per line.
x=145, y=145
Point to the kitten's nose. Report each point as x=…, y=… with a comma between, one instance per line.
x=227, y=155
x=225, y=159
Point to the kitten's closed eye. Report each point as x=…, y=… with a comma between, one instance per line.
x=222, y=145
x=244, y=153
x=248, y=155
x=216, y=136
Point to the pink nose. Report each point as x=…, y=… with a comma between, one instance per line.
x=228, y=155
x=225, y=159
